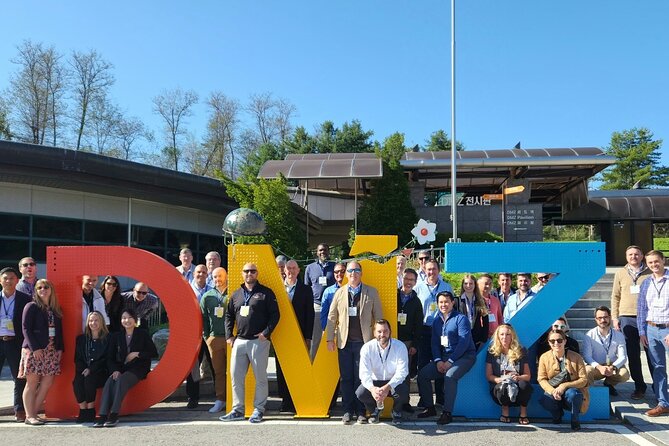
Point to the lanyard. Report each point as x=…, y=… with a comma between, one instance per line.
x=383, y=361
x=604, y=345
x=247, y=296
x=351, y=297
x=9, y=307
x=433, y=291
x=659, y=291
x=470, y=308
x=404, y=298
x=635, y=275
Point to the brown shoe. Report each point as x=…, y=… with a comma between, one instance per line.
x=20, y=416
x=657, y=411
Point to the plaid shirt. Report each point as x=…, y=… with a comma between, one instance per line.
x=648, y=297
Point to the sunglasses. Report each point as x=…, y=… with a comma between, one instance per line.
x=111, y=283
x=553, y=341
x=43, y=287
x=543, y=277
x=559, y=326
x=603, y=318
x=354, y=270
x=141, y=292
x=339, y=271
x=249, y=271
x=422, y=259
x=28, y=264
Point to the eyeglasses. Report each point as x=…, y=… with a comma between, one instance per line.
x=141, y=292
x=559, y=326
x=43, y=287
x=249, y=271
x=354, y=270
x=553, y=341
x=28, y=264
x=111, y=283
x=339, y=271
x=602, y=318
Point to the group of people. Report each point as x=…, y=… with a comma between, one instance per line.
x=112, y=353
x=437, y=340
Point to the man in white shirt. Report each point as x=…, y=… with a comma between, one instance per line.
x=605, y=353
x=384, y=366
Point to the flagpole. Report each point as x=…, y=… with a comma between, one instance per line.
x=454, y=205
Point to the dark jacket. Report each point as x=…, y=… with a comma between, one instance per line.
x=303, y=304
x=114, y=310
x=36, y=328
x=412, y=330
x=20, y=302
x=263, y=313
x=479, y=326
x=91, y=355
x=118, y=349
x=459, y=333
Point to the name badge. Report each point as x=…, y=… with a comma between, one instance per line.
x=635, y=289
x=322, y=280
x=402, y=318
x=139, y=322
x=218, y=311
x=433, y=307
x=444, y=341
x=352, y=311
x=7, y=324
x=244, y=311
x=492, y=317
x=52, y=332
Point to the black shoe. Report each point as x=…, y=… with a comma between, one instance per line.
x=100, y=421
x=575, y=425
x=90, y=416
x=638, y=394
x=445, y=418
x=612, y=390
x=112, y=421
x=192, y=404
x=557, y=420
x=427, y=413
x=407, y=408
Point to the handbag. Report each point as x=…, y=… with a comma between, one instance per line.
x=560, y=378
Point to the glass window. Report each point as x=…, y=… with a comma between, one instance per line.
x=57, y=228
x=14, y=225
x=39, y=247
x=146, y=236
x=100, y=232
x=210, y=243
x=181, y=239
x=11, y=251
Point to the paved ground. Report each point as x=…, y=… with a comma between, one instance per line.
x=169, y=423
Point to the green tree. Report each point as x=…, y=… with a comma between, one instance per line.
x=388, y=209
x=439, y=141
x=638, y=161
x=4, y=122
x=255, y=160
x=270, y=199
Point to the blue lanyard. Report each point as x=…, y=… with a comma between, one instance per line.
x=247, y=296
x=8, y=309
x=604, y=345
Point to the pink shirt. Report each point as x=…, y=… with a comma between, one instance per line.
x=495, y=313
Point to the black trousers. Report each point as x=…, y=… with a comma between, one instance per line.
x=11, y=352
x=632, y=342
x=86, y=387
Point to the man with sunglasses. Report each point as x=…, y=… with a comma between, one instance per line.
x=142, y=302
x=319, y=275
x=559, y=324
x=339, y=274
x=28, y=269
x=605, y=353
x=351, y=317
x=423, y=257
x=253, y=309
x=543, y=279
x=624, y=296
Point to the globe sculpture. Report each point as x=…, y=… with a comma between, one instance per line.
x=244, y=221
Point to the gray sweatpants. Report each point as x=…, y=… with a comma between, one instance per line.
x=114, y=391
x=256, y=353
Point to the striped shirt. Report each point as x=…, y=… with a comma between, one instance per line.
x=653, y=303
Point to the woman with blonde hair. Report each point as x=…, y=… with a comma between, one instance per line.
x=90, y=361
x=42, y=348
x=508, y=373
x=472, y=305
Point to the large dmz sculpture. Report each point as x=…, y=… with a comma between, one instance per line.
x=312, y=384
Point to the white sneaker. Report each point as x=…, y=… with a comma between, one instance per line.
x=217, y=407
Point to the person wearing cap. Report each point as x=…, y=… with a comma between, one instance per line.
x=354, y=309
x=28, y=270
x=12, y=303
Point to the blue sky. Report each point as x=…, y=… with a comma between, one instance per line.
x=547, y=73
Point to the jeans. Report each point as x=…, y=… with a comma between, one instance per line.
x=572, y=399
x=349, y=366
x=631, y=332
x=451, y=378
x=424, y=358
x=658, y=351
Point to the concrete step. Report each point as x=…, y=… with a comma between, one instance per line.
x=582, y=313
x=592, y=303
